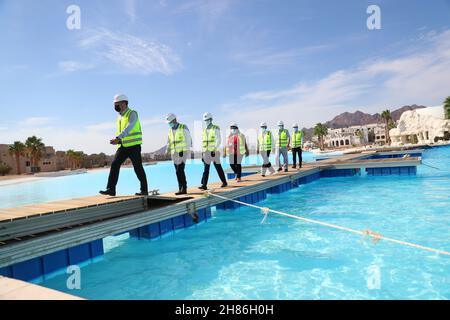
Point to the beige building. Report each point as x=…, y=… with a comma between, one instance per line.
x=356, y=136
x=50, y=160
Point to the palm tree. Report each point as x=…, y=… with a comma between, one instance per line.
x=18, y=150
x=447, y=108
x=75, y=158
x=387, y=117
x=34, y=148
x=70, y=154
x=320, y=131
x=360, y=134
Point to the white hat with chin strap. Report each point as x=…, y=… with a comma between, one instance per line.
x=207, y=116
x=280, y=123
x=234, y=124
x=295, y=125
x=170, y=117
x=263, y=124
x=120, y=97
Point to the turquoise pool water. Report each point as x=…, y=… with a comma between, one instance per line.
x=160, y=176
x=234, y=256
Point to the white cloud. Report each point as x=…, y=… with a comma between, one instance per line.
x=130, y=9
x=35, y=121
x=130, y=53
x=208, y=11
x=73, y=66
x=272, y=58
x=420, y=75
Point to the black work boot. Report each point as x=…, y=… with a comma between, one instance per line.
x=224, y=184
x=203, y=188
x=108, y=192
x=182, y=191
x=142, y=193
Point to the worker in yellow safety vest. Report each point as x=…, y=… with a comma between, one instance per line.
x=264, y=147
x=236, y=149
x=282, y=141
x=211, y=151
x=128, y=141
x=179, y=145
x=297, y=141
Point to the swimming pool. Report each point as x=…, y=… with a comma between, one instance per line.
x=160, y=176
x=234, y=256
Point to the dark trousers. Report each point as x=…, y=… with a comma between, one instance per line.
x=219, y=170
x=134, y=153
x=235, y=164
x=295, y=152
x=181, y=176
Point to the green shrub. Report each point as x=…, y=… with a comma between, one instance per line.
x=4, y=169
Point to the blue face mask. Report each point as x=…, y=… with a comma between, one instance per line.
x=208, y=122
x=172, y=125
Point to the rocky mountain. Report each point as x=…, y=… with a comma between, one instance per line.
x=359, y=118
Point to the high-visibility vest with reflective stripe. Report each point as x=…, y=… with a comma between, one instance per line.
x=177, y=142
x=209, y=139
x=282, y=138
x=241, y=142
x=134, y=137
x=297, y=139
x=265, y=141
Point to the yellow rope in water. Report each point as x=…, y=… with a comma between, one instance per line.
x=374, y=235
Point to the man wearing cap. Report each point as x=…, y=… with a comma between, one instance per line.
x=128, y=141
x=297, y=140
x=179, y=144
x=211, y=151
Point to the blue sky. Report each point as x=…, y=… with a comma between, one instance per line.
x=246, y=61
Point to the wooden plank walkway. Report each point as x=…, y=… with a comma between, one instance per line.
x=61, y=206
x=12, y=289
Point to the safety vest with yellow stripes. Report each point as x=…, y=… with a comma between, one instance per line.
x=177, y=141
x=209, y=139
x=134, y=137
x=282, y=138
x=241, y=146
x=297, y=139
x=265, y=141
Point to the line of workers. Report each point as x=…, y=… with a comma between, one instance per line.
x=179, y=143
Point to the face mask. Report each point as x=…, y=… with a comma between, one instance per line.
x=234, y=131
x=295, y=129
x=263, y=129
x=208, y=122
x=281, y=127
x=117, y=108
x=172, y=125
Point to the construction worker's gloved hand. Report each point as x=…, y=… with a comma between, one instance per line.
x=180, y=154
x=213, y=154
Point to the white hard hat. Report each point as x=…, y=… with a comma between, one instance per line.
x=263, y=124
x=170, y=117
x=120, y=97
x=234, y=124
x=207, y=116
x=295, y=125
x=280, y=123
